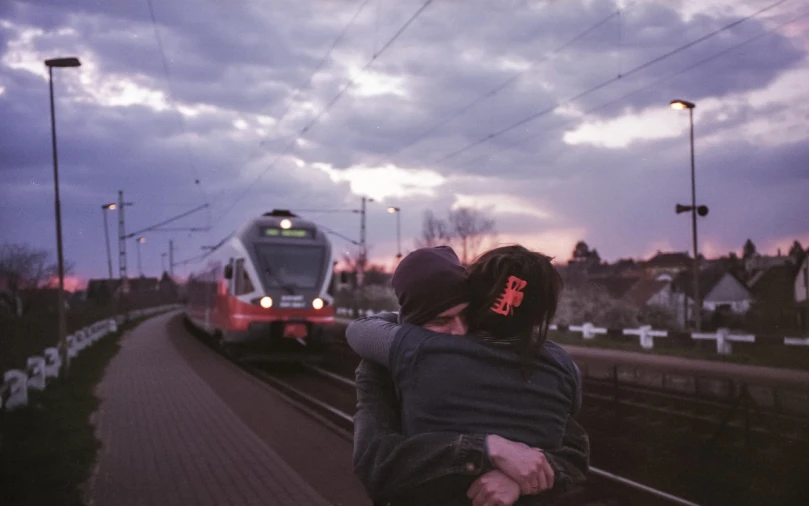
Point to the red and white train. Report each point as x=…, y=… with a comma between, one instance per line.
x=267, y=285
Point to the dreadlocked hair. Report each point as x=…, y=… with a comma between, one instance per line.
x=514, y=293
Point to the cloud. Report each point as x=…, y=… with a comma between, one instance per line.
x=223, y=125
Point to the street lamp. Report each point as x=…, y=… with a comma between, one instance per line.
x=104, y=208
x=680, y=105
x=398, y=212
x=140, y=240
x=59, y=62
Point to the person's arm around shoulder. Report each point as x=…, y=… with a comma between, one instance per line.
x=372, y=338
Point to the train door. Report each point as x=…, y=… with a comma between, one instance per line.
x=242, y=284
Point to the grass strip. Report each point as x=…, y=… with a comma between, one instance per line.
x=48, y=449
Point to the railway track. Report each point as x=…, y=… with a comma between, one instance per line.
x=327, y=393
x=742, y=414
x=329, y=396
x=319, y=395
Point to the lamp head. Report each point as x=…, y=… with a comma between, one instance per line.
x=681, y=104
x=63, y=62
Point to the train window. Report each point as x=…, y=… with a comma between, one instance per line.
x=243, y=284
x=290, y=266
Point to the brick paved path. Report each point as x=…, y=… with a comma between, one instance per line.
x=168, y=439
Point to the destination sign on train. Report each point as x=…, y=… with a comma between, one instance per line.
x=290, y=232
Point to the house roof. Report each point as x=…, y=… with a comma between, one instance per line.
x=708, y=279
x=669, y=260
x=775, y=284
x=645, y=289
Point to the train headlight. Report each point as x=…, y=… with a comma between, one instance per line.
x=286, y=224
x=265, y=302
x=317, y=303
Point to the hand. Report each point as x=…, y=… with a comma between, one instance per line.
x=493, y=489
x=527, y=466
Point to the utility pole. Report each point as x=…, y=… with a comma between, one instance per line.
x=362, y=257
x=121, y=238
x=122, y=252
x=363, y=245
x=171, y=258
x=806, y=290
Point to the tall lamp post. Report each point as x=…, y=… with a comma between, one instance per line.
x=702, y=210
x=140, y=240
x=104, y=209
x=59, y=62
x=398, y=212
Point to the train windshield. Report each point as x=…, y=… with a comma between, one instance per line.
x=287, y=266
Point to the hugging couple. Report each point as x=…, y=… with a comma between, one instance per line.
x=461, y=399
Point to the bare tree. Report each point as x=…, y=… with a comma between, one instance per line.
x=23, y=267
x=434, y=232
x=465, y=229
x=469, y=227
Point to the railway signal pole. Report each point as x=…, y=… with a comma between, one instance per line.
x=171, y=258
x=122, y=253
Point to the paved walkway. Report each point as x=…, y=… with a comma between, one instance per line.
x=168, y=439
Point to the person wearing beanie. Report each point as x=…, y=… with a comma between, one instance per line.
x=400, y=463
x=428, y=282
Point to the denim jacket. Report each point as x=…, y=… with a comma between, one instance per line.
x=390, y=465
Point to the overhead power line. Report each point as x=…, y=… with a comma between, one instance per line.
x=328, y=107
x=650, y=85
x=504, y=84
x=304, y=85
x=603, y=84
x=172, y=96
x=166, y=222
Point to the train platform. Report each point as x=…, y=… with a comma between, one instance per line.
x=179, y=425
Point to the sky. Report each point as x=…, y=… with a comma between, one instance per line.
x=551, y=117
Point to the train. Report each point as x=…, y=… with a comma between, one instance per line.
x=267, y=288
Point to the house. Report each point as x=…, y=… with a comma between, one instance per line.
x=724, y=296
x=774, y=307
x=801, y=292
x=801, y=282
x=102, y=291
x=763, y=262
x=668, y=263
x=651, y=292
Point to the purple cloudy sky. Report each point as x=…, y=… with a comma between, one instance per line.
x=607, y=167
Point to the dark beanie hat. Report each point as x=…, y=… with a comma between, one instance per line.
x=429, y=281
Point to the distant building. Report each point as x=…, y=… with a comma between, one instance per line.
x=102, y=291
x=801, y=282
x=774, y=308
x=763, y=262
x=801, y=290
x=668, y=263
x=725, y=297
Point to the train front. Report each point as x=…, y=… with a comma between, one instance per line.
x=292, y=311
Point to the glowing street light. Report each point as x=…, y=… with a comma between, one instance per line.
x=104, y=209
x=680, y=105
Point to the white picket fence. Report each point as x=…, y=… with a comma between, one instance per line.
x=646, y=334
x=41, y=369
